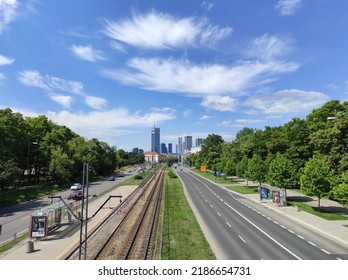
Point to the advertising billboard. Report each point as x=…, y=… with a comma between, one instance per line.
x=38, y=226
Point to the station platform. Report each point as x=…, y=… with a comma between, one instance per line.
x=61, y=240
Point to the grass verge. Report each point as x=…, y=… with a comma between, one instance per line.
x=320, y=212
x=183, y=238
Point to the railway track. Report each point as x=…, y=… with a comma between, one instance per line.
x=128, y=232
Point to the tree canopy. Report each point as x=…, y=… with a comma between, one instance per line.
x=282, y=155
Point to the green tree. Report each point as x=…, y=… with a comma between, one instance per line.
x=340, y=191
x=61, y=165
x=317, y=178
x=281, y=172
x=9, y=171
x=257, y=169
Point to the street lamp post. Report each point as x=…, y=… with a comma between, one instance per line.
x=28, y=170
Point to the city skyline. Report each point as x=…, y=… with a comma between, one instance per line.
x=110, y=69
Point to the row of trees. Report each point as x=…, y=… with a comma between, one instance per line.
x=309, y=153
x=34, y=147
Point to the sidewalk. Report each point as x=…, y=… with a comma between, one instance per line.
x=61, y=241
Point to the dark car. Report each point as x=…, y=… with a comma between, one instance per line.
x=75, y=195
x=111, y=178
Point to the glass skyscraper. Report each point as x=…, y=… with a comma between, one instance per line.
x=155, y=140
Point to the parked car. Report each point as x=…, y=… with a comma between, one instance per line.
x=121, y=174
x=75, y=195
x=76, y=186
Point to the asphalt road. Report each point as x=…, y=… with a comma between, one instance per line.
x=16, y=219
x=243, y=230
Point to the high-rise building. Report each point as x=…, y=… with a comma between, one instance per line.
x=155, y=140
x=187, y=144
x=199, y=142
x=180, y=148
x=170, y=148
x=164, y=148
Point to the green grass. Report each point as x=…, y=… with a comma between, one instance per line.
x=242, y=189
x=16, y=196
x=8, y=245
x=210, y=176
x=320, y=212
x=183, y=238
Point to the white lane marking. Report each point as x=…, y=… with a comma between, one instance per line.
x=218, y=214
x=228, y=224
x=325, y=251
x=265, y=233
x=242, y=238
x=313, y=244
x=291, y=231
x=283, y=226
x=300, y=237
x=211, y=206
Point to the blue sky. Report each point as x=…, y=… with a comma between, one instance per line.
x=111, y=69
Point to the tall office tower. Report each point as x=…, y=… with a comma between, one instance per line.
x=180, y=150
x=164, y=148
x=199, y=142
x=135, y=150
x=188, y=144
x=155, y=140
x=170, y=148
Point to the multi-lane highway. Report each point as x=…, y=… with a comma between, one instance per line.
x=238, y=228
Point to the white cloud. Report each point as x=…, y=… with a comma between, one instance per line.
x=205, y=117
x=34, y=78
x=187, y=113
x=5, y=60
x=287, y=101
x=207, y=5
x=2, y=78
x=239, y=123
x=64, y=100
x=96, y=103
x=94, y=124
x=51, y=84
x=87, y=53
x=219, y=103
x=287, y=7
x=8, y=12
x=185, y=77
x=269, y=47
x=151, y=31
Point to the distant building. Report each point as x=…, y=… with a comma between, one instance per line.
x=187, y=144
x=170, y=148
x=164, y=148
x=135, y=150
x=153, y=157
x=180, y=147
x=199, y=142
x=155, y=140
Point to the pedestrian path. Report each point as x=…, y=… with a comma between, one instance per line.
x=61, y=241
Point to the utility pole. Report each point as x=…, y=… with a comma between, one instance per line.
x=84, y=215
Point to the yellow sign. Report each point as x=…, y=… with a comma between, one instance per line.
x=203, y=168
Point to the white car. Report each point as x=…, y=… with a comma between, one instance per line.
x=76, y=186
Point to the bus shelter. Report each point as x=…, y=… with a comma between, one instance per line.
x=277, y=195
x=43, y=220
